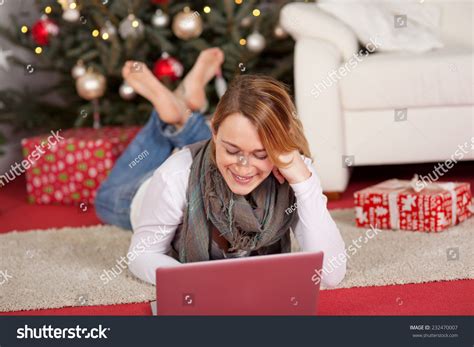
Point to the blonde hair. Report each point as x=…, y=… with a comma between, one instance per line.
x=268, y=105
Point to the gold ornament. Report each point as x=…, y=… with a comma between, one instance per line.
x=187, y=24
x=91, y=85
x=64, y=4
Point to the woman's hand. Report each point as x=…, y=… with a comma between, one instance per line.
x=296, y=172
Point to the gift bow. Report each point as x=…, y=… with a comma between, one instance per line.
x=396, y=186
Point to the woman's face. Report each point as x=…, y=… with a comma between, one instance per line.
x=240, y=155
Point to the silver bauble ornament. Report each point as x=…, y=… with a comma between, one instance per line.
x=280, y=33
x=187, y=24
x=131, y=26
x=160, y=19
x=91, y=85
x=71, y=15
x=255, y=42
x=78, y=70
x=126, y=91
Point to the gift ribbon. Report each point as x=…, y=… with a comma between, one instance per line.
x=396, y=186
x=393, y=209
x=451, y=188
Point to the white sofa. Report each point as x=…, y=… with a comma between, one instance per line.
x=358, y=120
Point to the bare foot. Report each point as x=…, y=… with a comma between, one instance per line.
x=171, y=109
x=206, y=67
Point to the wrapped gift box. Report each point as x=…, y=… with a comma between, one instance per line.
x=68, y=166
x=398, y=204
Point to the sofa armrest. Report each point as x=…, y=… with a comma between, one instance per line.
x=302, y=20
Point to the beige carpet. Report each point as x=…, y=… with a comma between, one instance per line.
x=62, y=267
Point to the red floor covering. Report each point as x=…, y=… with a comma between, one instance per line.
x=436, y=298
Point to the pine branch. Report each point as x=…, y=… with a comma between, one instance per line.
x=222, y=28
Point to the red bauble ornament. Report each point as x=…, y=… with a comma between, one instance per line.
x=168, y=68
x=43, y=29
x=159, y=2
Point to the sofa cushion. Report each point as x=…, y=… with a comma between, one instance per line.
x=397, y=80
x=398, y=25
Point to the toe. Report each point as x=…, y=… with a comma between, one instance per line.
x=125, y=71
x=127, y=65
x=219, y=54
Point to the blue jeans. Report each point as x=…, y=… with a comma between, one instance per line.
x=148, y=150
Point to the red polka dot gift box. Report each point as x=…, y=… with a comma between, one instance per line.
x=413, y=205
x=67, y=167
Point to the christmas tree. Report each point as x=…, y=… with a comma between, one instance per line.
x=93, y=38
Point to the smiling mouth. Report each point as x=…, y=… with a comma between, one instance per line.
x=242, y=179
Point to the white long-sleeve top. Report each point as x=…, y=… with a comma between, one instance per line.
x=158, y=207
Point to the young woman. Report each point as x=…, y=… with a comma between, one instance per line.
x=235, y=190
